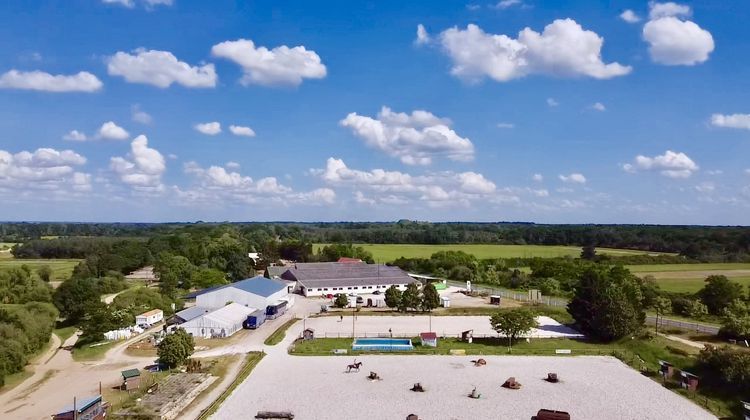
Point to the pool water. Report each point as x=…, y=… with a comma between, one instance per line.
x=382, y=344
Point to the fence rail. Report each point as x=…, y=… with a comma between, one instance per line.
x=686, y=325
x=510, y=294
x=369, y=334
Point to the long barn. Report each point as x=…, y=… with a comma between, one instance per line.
x=316, y=279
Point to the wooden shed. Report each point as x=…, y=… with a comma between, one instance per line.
x=308, y=334
x=131, y=379
x=428, y=339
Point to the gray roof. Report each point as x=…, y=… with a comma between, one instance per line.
x=334, y=274
x=191, y=313
x=275, y=270
x=257, y=285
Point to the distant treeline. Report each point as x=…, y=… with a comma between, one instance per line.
x=703, y=243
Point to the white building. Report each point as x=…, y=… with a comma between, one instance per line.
x=219, y=323
x=257, y=292
x=149, y=318
x=316, y=279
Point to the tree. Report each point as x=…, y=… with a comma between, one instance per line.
x=513, y=323
x=588, y=252
x=662, y=306
x=342, y=301
x=410, y=299
x=393, y=297
x=203, y=278
x=736, y=320
x=174, y=272
x=607, y=303
x=729, y=368
x=45, y=273
x=696, y=309
x=430, y=297
x=718, y=293
x=74, y=296
x=176, y=348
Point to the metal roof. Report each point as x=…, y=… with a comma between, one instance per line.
x=191, y=313
x=130, y=373
x=276, y=270
x=334, y=274
x=82, y=404
x=231, y=314
x=257, y=285
x=151, y=312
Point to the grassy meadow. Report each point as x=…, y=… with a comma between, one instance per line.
x=390, y=252
x=61, y=268
x=689, y=278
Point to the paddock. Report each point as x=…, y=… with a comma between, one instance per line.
x=319, y=388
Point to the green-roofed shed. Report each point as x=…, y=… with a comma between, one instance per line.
x=131, y=379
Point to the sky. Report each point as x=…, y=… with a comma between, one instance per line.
x=517, y=110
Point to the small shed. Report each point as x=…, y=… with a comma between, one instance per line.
x=495, y=300
x=93, y=408
x=467, y=336
x=428, y=339
x=149, y=318
x=131, y=379
x=308, y=334
x=689, y=381
x=666, y=369
x=445, y=301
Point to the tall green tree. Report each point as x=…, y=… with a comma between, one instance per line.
x=342, y=301
x=176, y=348
x=45, y=273
x=736, y=320
x=513, y=323
x=588, y=252
x=662, y=306
x=174, y=272
x=410, y=299
x=607, y=303
x=719, y=292
x=430, y=297
x=393, y=297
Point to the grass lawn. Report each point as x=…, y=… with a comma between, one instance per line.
x=652, y=268
x=689, y=278
x=61, y=268
x=90, y=352
x=280, y=332
x=65, y=333
x=390, y=252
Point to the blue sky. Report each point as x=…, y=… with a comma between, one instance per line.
x=575, y=112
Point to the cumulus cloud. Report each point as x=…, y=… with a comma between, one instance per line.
x=537, y=177
x=45, y=168
x=148, y=4
x=142, y=169
x=414, y=138
x=574, y=178
x=209, y=128
x=506, y=4
x=243, y=131
x=224, y=184
x=140, y=116
x=552, y=102
x=125, y=3
x=75, y=135
x=41, y=81
x=422, y=36
x=160, y=69
x=705, y=187
x=670, y=164
x=401, y=187
x=629, y=16
x=673, y=40
x=598, y=106
x=740, y=121
x=563, y=49
x=111, y=131
x=278, y=66
x=232, y=165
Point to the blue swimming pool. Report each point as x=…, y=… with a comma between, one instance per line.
x=382, y=344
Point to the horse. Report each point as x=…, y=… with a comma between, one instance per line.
x=354, y=366
x=479, y=362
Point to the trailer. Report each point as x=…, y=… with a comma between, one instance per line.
x=276, y=310
x=254, y=320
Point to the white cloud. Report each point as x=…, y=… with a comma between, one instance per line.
x=46, y=169
x=629, y=16
x=552, y=102
x=563, y=49
x=209, y=128
x=506, y=4
x=125, y=3
x=160, y=69
x=232, y=165
x=505, y=125
x=574, y=178
x=668, y=9
x=422, y=36
x=414, y=138
x=41, y=81
x=673, y=41
x=140, y=116
x=159, y=2
x=400, y=187
x=741, y=121
x=670, y=164
x=148, y=4
x=239, y=130
x=537, y=177
x=142, y=169
x=705, y=187
x=473, y=7
x=75, y=135
x=111, y=131
x=598, y=106
x=278, y=66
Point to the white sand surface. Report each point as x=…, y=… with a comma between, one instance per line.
x=595, y=388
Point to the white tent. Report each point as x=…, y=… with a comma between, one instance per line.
x=222, y=322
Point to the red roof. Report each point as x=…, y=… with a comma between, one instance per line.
x=428, y=336
x=349, y=260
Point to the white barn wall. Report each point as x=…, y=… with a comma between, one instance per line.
x=359, y=290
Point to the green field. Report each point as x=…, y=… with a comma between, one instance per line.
x=689, y=278
x=390, y=252
x=61, y=268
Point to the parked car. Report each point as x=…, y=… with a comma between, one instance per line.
x=360, y=299
x=377, y=292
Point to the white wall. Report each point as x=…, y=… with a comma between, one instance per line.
x=359, y=290
x=202, y=326
x=150, y=320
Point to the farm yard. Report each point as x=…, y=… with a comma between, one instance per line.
x=390, y=252
x=689, y=278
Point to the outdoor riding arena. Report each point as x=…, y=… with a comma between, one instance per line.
x=319, y=388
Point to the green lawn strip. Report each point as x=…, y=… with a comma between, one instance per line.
x=253, y=358
x=278, y=335
x=61, y=268
x=693, y=284
x=654, y=268
x=89, y=352
x=65, y=333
